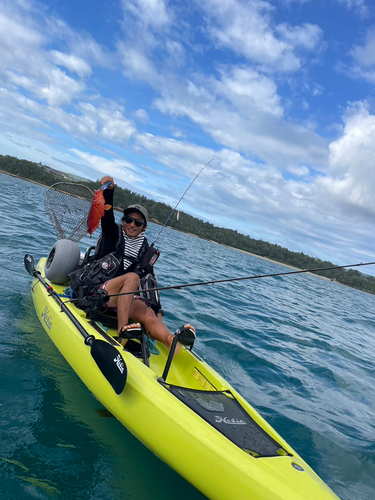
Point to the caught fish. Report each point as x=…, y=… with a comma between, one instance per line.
x=97, y=209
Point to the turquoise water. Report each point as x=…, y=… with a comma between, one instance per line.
x=300, y=349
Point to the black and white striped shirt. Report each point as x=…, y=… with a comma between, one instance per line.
x=132, y=247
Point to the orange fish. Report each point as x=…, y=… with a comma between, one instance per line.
x=96, y=211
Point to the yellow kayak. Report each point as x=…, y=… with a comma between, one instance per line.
x=188, y=415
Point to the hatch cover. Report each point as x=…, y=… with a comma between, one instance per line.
x=224, y=413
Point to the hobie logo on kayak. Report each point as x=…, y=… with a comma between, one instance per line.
x=229, y=421
x=120, y=363
x=47, y=318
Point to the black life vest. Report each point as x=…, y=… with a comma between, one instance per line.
x=97, y=269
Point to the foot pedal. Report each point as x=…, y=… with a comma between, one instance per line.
x=186, y=336
x=131, y=333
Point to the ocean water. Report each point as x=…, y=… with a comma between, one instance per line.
x=299, y=348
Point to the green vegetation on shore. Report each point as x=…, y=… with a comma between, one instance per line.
x=160, y=212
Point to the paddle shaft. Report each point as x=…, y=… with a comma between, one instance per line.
x=106, y=356
x=63, y=307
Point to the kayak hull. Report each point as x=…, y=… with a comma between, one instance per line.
x=175, y=433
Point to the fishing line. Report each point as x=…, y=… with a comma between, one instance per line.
x=228, y=280
x=179, y=201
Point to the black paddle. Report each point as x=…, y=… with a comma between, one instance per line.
x=108, y=358
x=29, y=264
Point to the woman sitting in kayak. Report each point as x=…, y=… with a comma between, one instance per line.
x=134, y=247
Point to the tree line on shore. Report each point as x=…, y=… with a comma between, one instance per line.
x=160, y=212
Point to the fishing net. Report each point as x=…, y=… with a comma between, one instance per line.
x=67, y=205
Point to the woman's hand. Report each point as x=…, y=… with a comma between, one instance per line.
x=107, y=178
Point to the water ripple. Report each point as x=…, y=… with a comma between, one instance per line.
x=299, y=348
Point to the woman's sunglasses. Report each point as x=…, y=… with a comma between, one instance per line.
x=137, y=222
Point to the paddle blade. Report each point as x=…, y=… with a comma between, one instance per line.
x=110, y=363
x=29, y=264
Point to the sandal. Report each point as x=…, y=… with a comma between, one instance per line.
x=186, y=335
x=131, y=331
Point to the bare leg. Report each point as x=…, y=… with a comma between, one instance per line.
x=122, y=284
x=128, y=308
x=158, y=330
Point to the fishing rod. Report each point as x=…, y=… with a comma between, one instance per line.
x=259, y=276
x=152, y=254
x=179, y=201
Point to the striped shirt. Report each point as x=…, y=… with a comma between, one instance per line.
x=132, y=247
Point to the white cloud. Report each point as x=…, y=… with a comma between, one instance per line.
x=246, y=29
x=26, y=62
x=315, y=217
x=149, y=40
x=152, y=13
x=300, y=171
x=141, y=115
x=137, y=64
x=363, y=67
x=20, y=42
x=317, y=89
x=177, y=133
x=108, y=120
x=357, y=5
x=119, y=169
x=231, y=180
x=71, y=62
x=105, y=121
x=357, y=72
x=307, y=35
x=241, y=109
x=177, y=155
x=289, y=2
x=53, y=85
x=247, y=89
x=175, y=48
x=58, y=88
x=249, y=123
x=351, y=180
x=365, y=54
x=14, y=32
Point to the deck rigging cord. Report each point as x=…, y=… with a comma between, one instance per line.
x=228, y=280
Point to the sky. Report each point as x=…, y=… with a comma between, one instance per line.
x=278, y=94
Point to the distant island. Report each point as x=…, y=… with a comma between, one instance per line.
x=159, y=212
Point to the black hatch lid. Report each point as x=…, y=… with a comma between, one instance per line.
x=224, y=413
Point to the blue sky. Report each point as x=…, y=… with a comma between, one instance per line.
x=280, y=94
